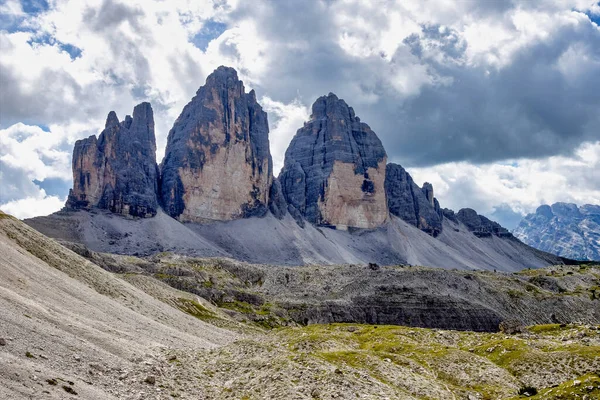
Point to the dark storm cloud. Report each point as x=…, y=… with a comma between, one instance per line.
x=527, y=108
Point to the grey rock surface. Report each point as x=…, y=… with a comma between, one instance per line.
x=480, y=225
x=277, y=203
x=217, y=162
x=269, y=240
x=563, y=229
x=413, y=204
x=118, y=171
x=334, y=169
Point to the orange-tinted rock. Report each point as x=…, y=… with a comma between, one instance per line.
x=334, y=169
x=217, y=163
x=118, y=171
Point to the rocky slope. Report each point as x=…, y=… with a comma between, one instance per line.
x=217, y=163
x=563, y=229
x=70, y=329
x=283, y=242
x=334, y=169
x=118, y=171
x=400, y=295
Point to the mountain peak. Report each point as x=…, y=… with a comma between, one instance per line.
x=217, y=162
x=334, y=169
x=330, y=106
x=544, y=210
x=111, y=120
x=118, y=171
x=563, y=229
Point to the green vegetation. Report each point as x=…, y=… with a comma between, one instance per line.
x=195, y=309
x=494, y=365
x=584, y=387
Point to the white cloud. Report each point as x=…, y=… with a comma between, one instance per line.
x=140, y=50
x=33, y=206
x=521, y=184
x=12, y=8
x=38, y=153
x=284, y=120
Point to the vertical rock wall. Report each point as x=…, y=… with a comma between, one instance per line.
x=217, y=163
x=118, y=171
x=415, y=205
x=334, y=169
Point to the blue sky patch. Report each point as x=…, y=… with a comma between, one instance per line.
x=54, y=186
x=47, y=39
x=34, y=7
x=210, y=30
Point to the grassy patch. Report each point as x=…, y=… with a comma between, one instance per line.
x=195, y=309
x=587, y=386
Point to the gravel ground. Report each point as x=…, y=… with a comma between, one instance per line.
x=282, y=242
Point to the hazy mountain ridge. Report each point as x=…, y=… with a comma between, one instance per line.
x=563, y=229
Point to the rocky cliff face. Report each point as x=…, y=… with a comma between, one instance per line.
x=118, y=170
x=217, y=163
x=334, y=169
x=480, y=225
x=413, y=204
x=563, y=229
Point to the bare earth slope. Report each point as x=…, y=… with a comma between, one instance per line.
x=69, y=329
x=71, y=316
x=284, y=242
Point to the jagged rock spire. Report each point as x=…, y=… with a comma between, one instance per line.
x=217, y=163
x=118, y=171
x=334, y=169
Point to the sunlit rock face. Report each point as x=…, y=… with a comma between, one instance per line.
x=117, y=171
x=413, y=204
x=217, y=163
x=334, y=170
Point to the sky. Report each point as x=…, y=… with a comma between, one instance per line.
x=497, y=103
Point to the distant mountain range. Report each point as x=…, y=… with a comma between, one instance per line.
x=563, y=229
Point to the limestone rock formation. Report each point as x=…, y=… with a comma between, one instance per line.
x=118, y=170
x=413, y=204
x=277, y=203
x=563, y=229
x=480, y=225
x=334, y=169
x=217, y=163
